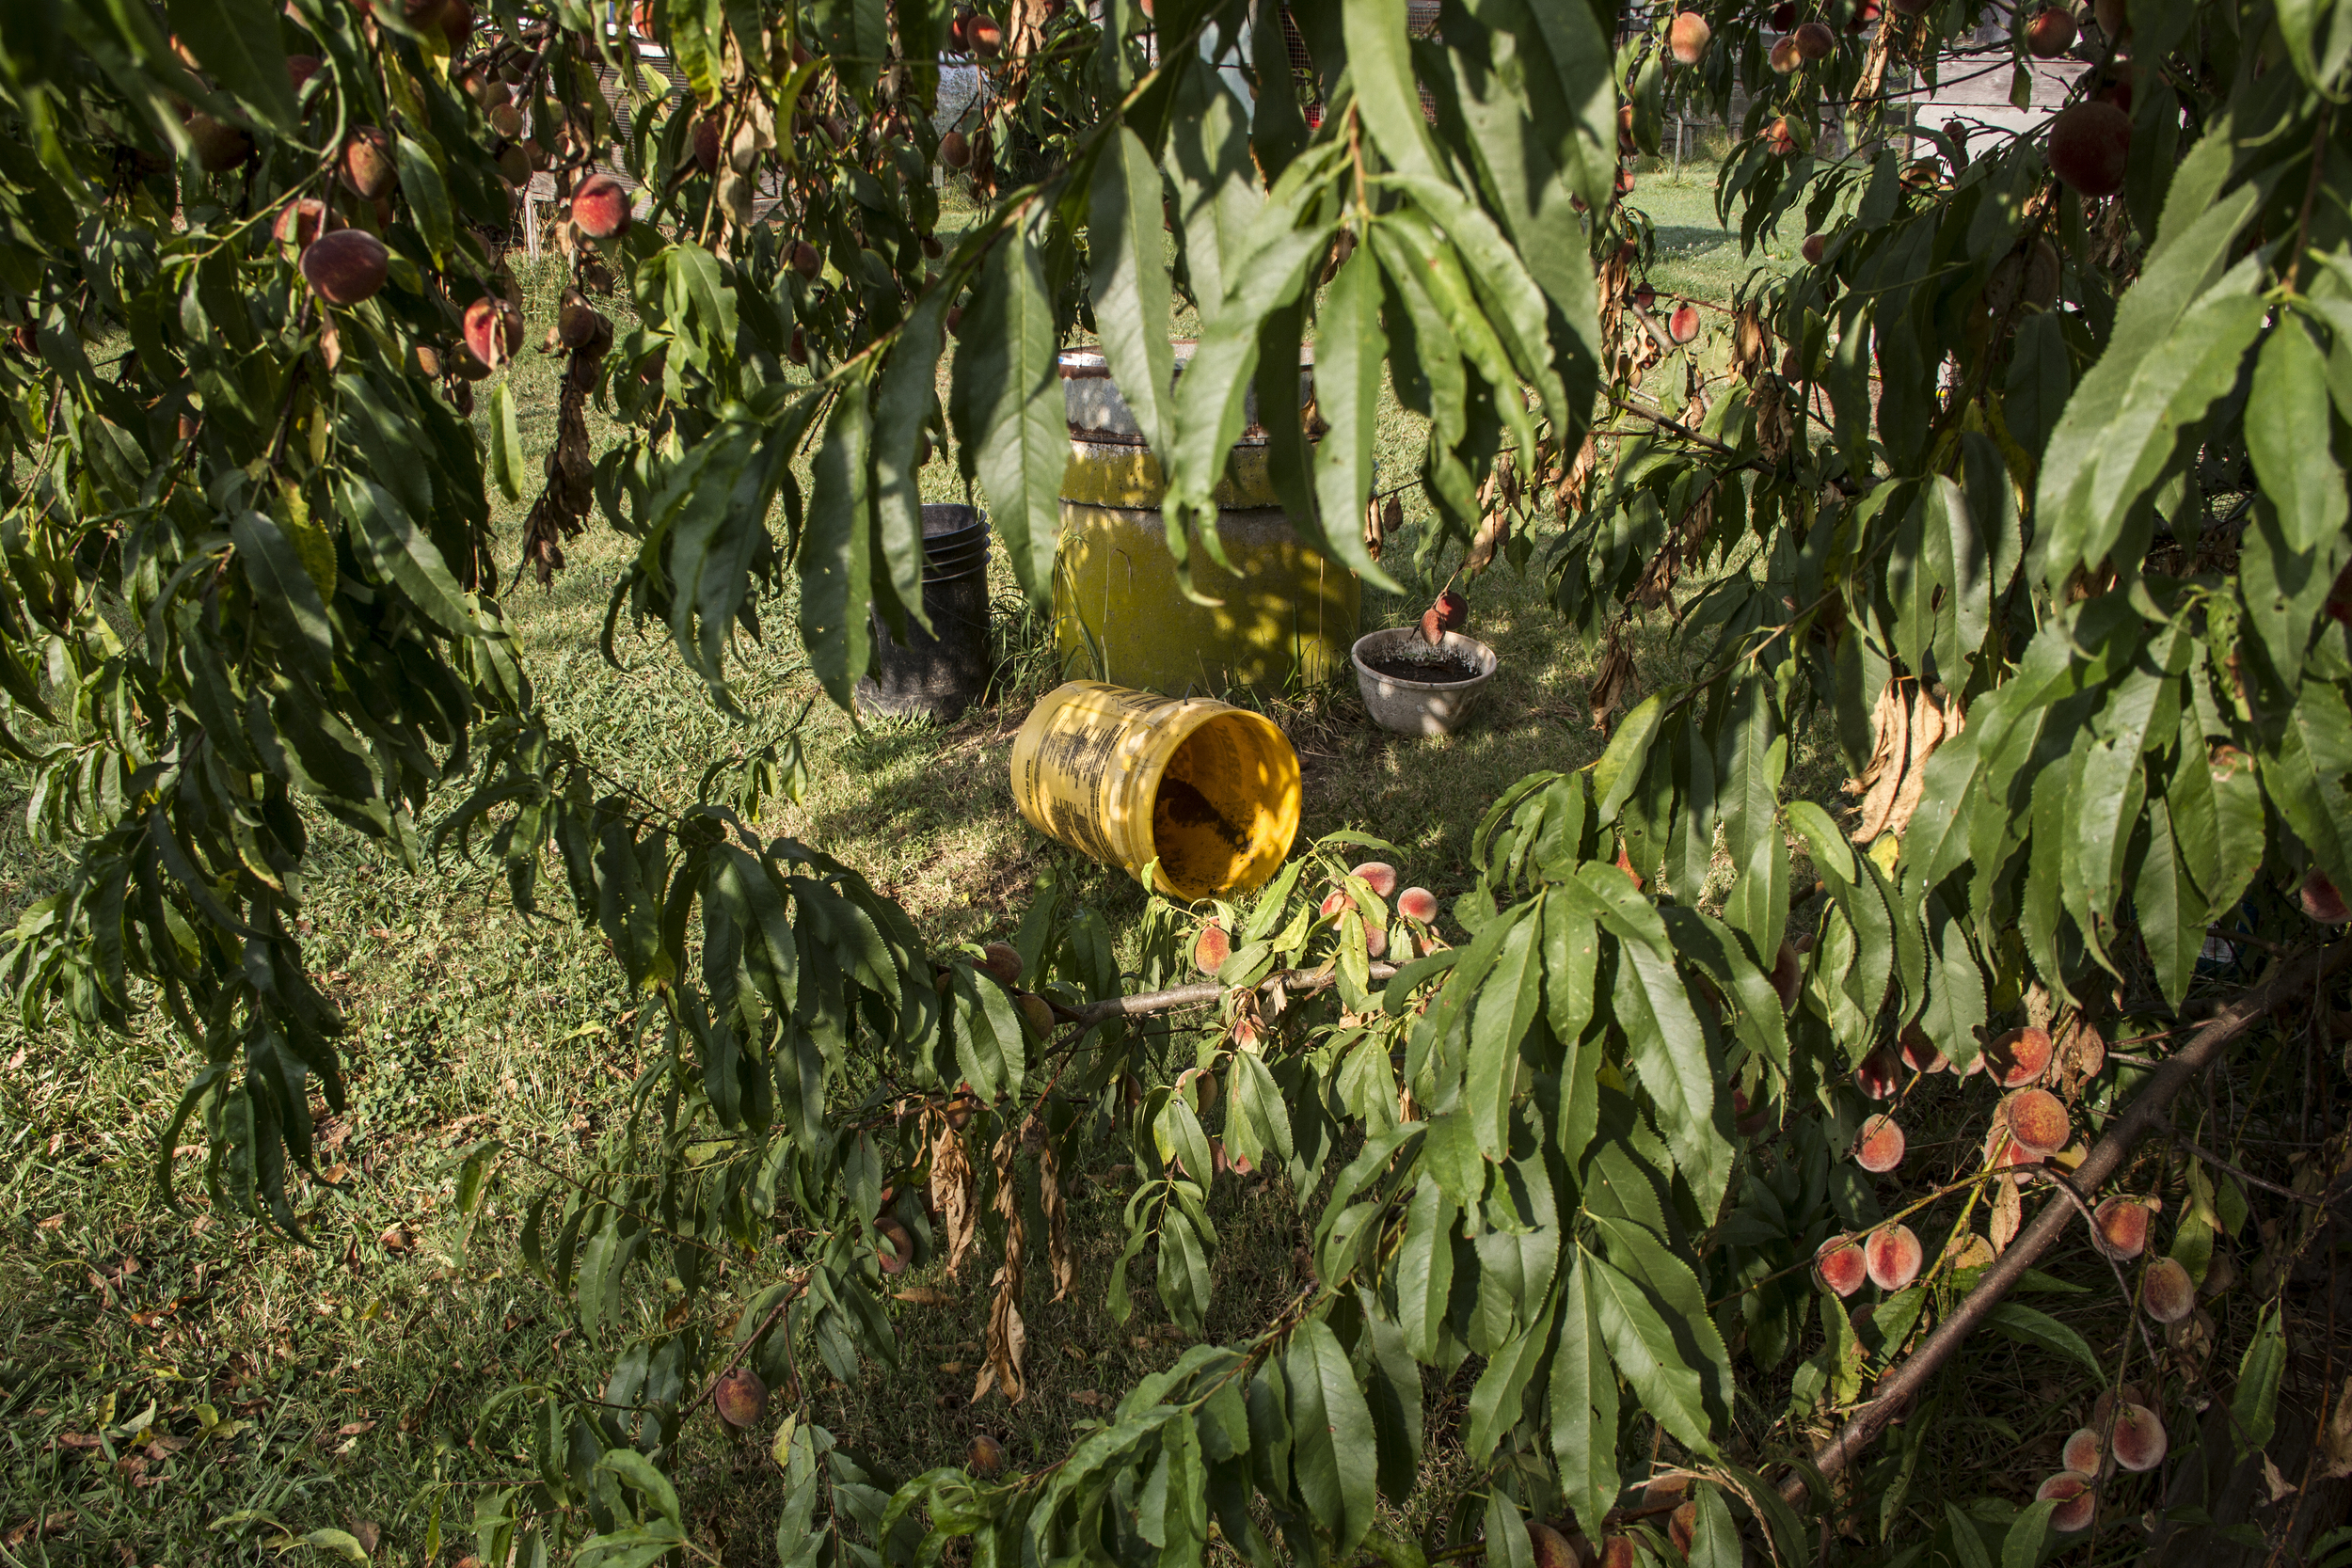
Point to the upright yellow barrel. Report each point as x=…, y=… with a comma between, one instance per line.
x=1208, y=790
x=1288, y=615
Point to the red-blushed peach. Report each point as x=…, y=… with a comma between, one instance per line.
x=1335, y=902
x=1815, y=41
x=600, y=207
x=345, y=267
x=1840, y=1264
x=987, y=1457
x=1688, y=36
x=2113, y=17
x=1747, y=1120
x=1682, y=326
x=1893, y=1254
x=1783, y=17
x=1379, y=874
x=1375, y=941
x=1555, y=1550
x=1813, y=249
x=1200, y=1085
x=1002, y=959
x=1879, y=1075
x=2018, y=1056
x=955, y=150
x=1865, y=16
x=896, y=1249
x=368, y=170
x=986, y=37
x=2322, y=902
x=219, y=145
x=2139, y=1440
x=2165, y=1292
x=807, y=261
x=1783, y=57
x=2037, y=1121
x=1419, y=905
x=2091, y=148
x=707, y=141
x=1879, y=1147
x=1211, y=948
x=1919, y=1053
x=2083, y=1451
x=2120, y=1227
x=740, y=1397
x=1780, y=138
x=2077, y=1501
x=301, y=221
x=2050, y=34
x=299, y=69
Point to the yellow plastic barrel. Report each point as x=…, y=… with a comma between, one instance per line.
x=1288, y=615
x=1208, y=790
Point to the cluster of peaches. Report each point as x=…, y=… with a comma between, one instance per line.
x=2030, y=1128
x=1416, y=905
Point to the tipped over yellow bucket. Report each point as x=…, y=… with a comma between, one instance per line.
x=1207, y=789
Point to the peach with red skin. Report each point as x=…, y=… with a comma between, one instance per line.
x=2050, y=34
x=2119, y=1229
x=741, y=1397
x=1688, y=36
x=302, y=221
x=1815, y=41
x=1788, y=976
x=219, y=145
x=1555, y=1550
x=1682, y=326
x=600, y=207
x=494, y=331
x=1375, y=941
x=2018, y=1056
x=806, y=261
x=1002, y=959
x=2037, y=1121
x=1893, y=1255
x=986, y=37
x=896, y=1249
x=1879, y=1147
x=1335, y=902
x=345, y=267
x=1779, y=139
x=2139, y=1440
x=2091, y=148
x=1919, y=1053
x=2321, y=901
x=1378, y=875
x=1784, y=16
x=2083, y=1451
x=1419, y=905
x=1841, y=1265
x=368, y=170
x=2165, y=1292
x=1211, y=948
x=1879, y=1075
x=1813, y=249
x=1783, y=57
x=987, y=1457
x=2077, y=1501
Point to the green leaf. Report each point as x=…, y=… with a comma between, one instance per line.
x=1645, y=1258
x=1584, y=1405
x=2172, y=915
x=1132, y=295
x=2029, y=1535
x=2254, y=1408
x=1334, y=1454
x=1495, y=1398
x=426, y=197
x=506, y=442
x=1714, y=1534
x=1506, y=1011
x=1425, y=1270
x=1007, y=405
x=2287, y=431
x=1620, y=767
x=2025, y=1325
x=1506, y=1537
x=835, y=554
x=1351, y=351
x=1644, y=1351
x=903, y=402
x=638, y=1473
x=236, y=43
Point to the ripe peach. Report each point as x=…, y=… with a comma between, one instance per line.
x=806, y=259
x=219, y=145
x=706, y=143
x=1682, y=1524
x=1376, y=940
x=1877, y=1075
x=345, y=267
x=2077, y=1501
x=986, y=37
x=1815, y=41
x=955, y=150
x=1683, y=325
x=1554, y=1551
x=1812, y=249
x=2140, y=1438
x=2050, y=34
x=2037, y=1121
x=2114, y=90
x=1618, y=1551
x=1879, y=1147
x=368, y=170
x=1381, y=875
x=933, y=248
x=2119, y=1229
x=1841, y=1265
x=1452, y=610
x=2167, y=1291
x=2322, y=902
x=1419, y=905
x=1779, y=139
x=1864, y=16
x=2091, y=148
x=897, y=1248
x=1688, y=36
x=1037, y=1013
x=2083, y=1451
x=1783, y=57
x=601, y=207
x=1211, y=948
x=301, y=221
x=494, y=331
x=2018, y=1056
x=987, y=1457
x=579, y=323
x=1001, y=959
x=740, y=1397
x=2113, y=18
x=1893, y=1254
x=1334, y=902
x=1919, y=1053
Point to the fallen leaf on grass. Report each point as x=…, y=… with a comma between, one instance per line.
x=1086, y=1397
x=924, y=1296
x=78, y=1439
x=38, y=1525
x=55, y=1222
x=951, y=1367
x=353, y=1429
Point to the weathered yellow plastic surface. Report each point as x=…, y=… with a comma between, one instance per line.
x=1209, y=790
x=1286, y=616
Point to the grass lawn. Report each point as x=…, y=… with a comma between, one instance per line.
x=183, y=1385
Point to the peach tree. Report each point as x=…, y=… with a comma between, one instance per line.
x=2023, y=490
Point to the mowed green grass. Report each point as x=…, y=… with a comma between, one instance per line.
x=184, y=1385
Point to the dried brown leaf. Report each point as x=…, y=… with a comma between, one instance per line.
x=1060, y=1258
x=1926, y=733
x=1890, y=743
x=952, y=1190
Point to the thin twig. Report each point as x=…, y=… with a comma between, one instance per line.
x=2247, y=1176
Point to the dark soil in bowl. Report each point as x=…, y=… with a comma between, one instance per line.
x=1435, y=668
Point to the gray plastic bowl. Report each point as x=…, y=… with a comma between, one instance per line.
x=1419, y=707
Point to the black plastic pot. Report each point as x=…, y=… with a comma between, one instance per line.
x=944, y=670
